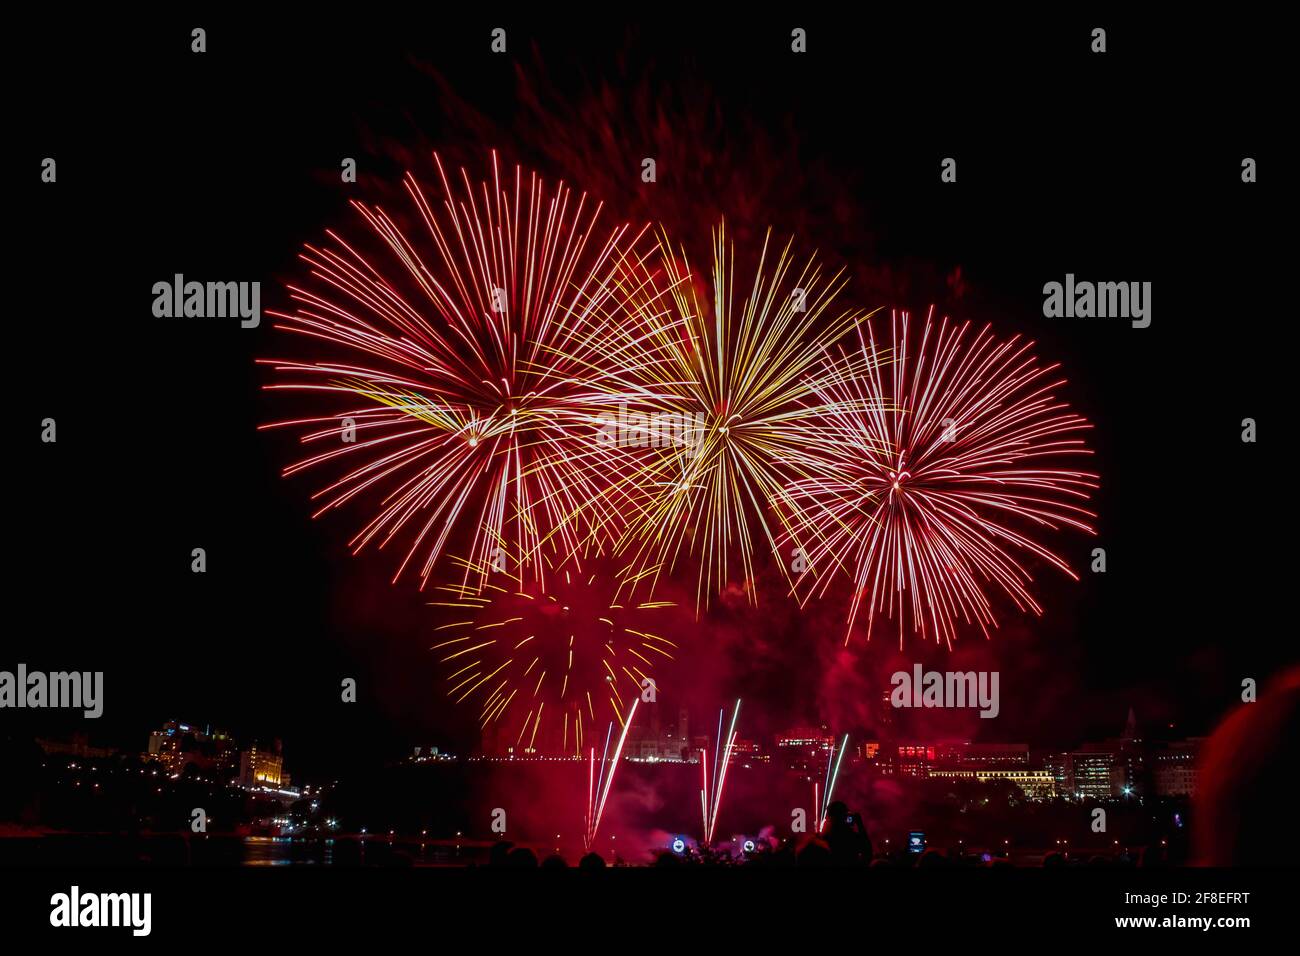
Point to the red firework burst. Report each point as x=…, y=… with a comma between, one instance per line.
x=465, y=369
x=950, y=453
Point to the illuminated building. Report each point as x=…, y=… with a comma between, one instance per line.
x=261, y=768
x=178, y=745
x=748, y=752
x=1132, y=756
x=1175, y=768
x=977, y=763
x=425, y=755
x=884, y=712
x=78, y=746
x=1094, y=775
x=915, y=760
x=806, y=749
x=985, y=755
x=805, y=737
x=1035, y=784
x=1058, y=764
x=167, y=744
x=1111, y=768
x=648, y=742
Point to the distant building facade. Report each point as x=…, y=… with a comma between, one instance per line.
x=805, y=749
x=1175, y=768
x=259, y=767
x=178, y=745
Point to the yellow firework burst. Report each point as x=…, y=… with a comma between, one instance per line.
x=726, y=375
x=547, y=663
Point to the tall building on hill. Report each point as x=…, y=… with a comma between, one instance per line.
x=259, y=767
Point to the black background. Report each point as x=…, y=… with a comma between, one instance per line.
x=1123, y=166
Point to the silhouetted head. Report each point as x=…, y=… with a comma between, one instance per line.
x=1153, y=856
x=837, y=812
x=521, y=857
x=592, y=861
x=554, y=862
x=814, y=853
x=932, y=857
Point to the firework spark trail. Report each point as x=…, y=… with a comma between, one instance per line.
x=591, y=798
x=948, y=454
x=826, y=791
x=711, y=793
x=831, y=778
x=549, y=654
x=742, y=368
x=704, y=789
x=593, y=788
x=596, y=798
x=476, y=353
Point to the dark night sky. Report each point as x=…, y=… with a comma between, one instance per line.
x=220, y=166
